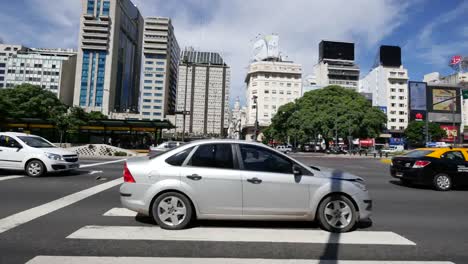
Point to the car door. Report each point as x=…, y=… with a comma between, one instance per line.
x=269, y=185
x=455, y=164
x=11, y=153
x=213, y=177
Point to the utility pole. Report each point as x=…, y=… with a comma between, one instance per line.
x=256, y=117
x=185, y=97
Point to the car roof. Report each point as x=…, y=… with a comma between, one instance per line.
x=16, y=134
x=229, y=141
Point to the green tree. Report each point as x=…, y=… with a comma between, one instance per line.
x=31, y=101
x=415, y=133
x=328, y=112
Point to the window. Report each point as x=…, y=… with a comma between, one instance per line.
x=147, y=87
x=148, y=62
x=160, y=62
x=148, y=69
x=146, y=101
x=146, y=94
x=105, y=8
x=146, y=113
x=453, y=155
x=148, y=75
x=157, y=107
x=267, y=91
x=179, y=158
x=146, y=107
x=159, y=69
x=267, y=84
x=213, y=156
x=147, y=81
x=90, y=10
x=273, y=91
x=8, y=142
x=254, y=91
x=261, y=159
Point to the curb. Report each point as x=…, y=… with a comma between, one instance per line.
x=386, y=161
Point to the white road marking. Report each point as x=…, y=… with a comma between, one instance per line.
x=23, y=217
x=120, y=212
x=239, y=235
x=10, y=177
x=150, y=260
x=101, y=163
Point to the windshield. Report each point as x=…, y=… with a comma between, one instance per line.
x=418, y=153
x=36, y=142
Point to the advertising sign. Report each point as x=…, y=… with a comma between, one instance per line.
x=417, y=115
x=396, y=141
x=417, y=95
x=266, y=47
x=383, y=109
x=452, y=133
x=441, y=99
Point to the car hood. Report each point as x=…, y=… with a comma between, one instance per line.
x=58, y=151
x=336, y=174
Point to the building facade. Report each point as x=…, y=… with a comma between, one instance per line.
x=6, y=51
x=161, y=55
x=388, y=84
x=336, y=65
x=202, y=94
x=273, y=83
x=109, y=56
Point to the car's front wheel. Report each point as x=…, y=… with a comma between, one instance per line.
x=337, y=214
x=442, y=182
x=172, y=210
x=35, y=168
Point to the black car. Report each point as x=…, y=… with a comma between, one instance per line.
x=441, y=168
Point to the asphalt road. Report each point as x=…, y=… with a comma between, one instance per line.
x=63, y=215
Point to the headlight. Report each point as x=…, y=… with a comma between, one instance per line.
x=360, y=184
x=53, y=156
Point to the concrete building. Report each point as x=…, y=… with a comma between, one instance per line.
x=274, y=83
x=6, y=51
x=202, y=94
x=109, y=56
x=160, y=66
x=336, y=65
x=309, y=83
x=388, y=83
x=52, y=69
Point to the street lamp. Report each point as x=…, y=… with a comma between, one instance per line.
x=187, y=64
x=256, y=117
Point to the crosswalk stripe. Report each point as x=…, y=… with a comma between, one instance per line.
x=120, y=212
x=23, y=217
x=10, y=177
x=239, y=235
x=155, y=260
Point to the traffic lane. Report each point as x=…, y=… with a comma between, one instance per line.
x=420, y=213
x=34, y=239
x=25, y=192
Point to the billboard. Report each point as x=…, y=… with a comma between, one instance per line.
x=444, y=99
x=389, y=56
x=452, y=133
x=417, y=92
x=417, y=115
x=266, y=47
x=336, y=50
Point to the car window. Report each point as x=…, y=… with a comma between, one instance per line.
x=8, y=142
x=213, y=156
x=453, y=155
x=179, y=158
x=256, y=158
x=418, y=153
x=36, y=142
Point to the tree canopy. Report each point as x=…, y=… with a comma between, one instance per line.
x=326, y=112
x=416, y=135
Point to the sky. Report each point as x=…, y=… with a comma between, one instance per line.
x=429, y=32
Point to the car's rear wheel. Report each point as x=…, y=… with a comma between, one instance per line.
x=337, y=214
x=35, y=168
x=442, y=182
x=172, y=210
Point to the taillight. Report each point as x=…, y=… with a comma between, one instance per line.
x=127, y=175
x=421, y=164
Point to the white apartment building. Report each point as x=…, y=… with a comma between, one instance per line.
x=389, y=88
x=6, y=51
x=274, y=83
x=51, y=69
x=160, y=66
x=109, y=56
x=202, y=94
x=336, y=65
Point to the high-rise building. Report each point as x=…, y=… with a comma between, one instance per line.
x=202, y=94
x=336, y=65
x=109, y=56
x=52, y=69
x=388, y=84
x=6, y=51
x=271, y=84
x=160, y=66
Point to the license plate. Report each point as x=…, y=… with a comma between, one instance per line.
x=399, y=174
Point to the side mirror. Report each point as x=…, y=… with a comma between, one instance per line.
x=296, y=170
x=19, y=147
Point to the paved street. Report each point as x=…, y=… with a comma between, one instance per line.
x=77, y=218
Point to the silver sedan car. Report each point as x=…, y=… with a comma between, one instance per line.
x=233, y=179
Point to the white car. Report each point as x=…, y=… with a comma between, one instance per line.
x=163, y=147
x=34, y=155
x=284, y=149
x=392, y=149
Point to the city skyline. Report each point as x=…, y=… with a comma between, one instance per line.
x=428, y=34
